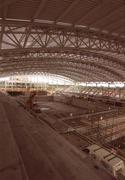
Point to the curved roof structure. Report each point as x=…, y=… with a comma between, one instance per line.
x=81, y=40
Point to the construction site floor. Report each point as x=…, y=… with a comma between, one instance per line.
x=45, y=154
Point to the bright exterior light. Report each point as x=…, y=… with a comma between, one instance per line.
x=4, y=79
x=39, y=79
x=53, y=79
x=103, y=84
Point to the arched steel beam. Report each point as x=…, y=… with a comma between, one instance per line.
x=98, y=73
x=77, y=57
x=119, y=67
x=18, y=53
x=94, y=65
x=78, y=69
x=66, y=73
x=66, y=65
x=73, y=76
x=61, y=68
x=37, y=73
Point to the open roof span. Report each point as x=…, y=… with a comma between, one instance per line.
x=82, y=40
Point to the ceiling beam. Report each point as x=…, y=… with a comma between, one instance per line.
x=7, y=3
x=100, y=19
x=70, y=7
x=95, y=67
x=64, y=59
x=59, y=69
x=65, y=74
x=85, y=16
x=120, y=27
x=39, y=9
x=114, y=24
x=20, y=51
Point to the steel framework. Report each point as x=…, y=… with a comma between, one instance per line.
x=65, y=41
x=20, y=35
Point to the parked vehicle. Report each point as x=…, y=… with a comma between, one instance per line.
x=107, y=160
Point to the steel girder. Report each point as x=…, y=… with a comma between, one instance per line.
x=22, y=41
x=95, y=69
x=85, y=76
x=79, y=70
x=108, y=67
x=66, y=53
x=105, y=60
x=18, y=35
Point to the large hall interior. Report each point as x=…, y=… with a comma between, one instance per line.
x=62, y=89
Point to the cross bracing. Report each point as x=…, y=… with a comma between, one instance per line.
x=87, y=46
